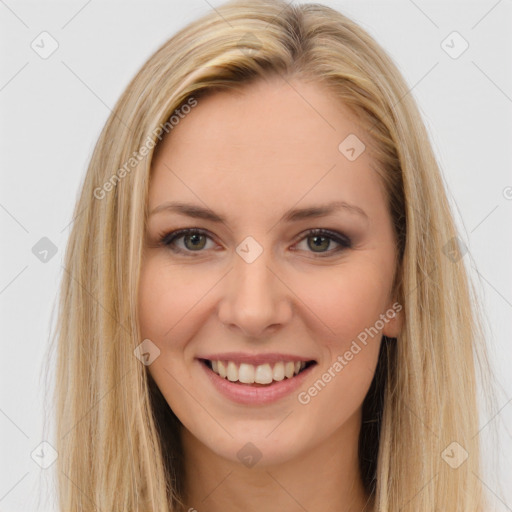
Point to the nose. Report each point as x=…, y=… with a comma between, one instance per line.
x=255, y=299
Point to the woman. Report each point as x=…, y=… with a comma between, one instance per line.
x=265, y=305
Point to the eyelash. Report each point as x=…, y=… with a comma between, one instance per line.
x=169, y=239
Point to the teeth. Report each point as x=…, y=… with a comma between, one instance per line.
x=232, y=372
x=278, y=373
x=246, y=373
x=261, y=374
x=221, y=369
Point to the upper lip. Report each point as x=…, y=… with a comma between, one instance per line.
x=255, y=359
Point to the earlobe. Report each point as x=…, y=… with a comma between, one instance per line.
x=394, y=325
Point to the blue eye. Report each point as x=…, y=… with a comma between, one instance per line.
x=195, y=240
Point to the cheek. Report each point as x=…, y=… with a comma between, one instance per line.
x=155, y=302
x=344, y=300
x=168, y=299
x=339, y=388
x=350, y=304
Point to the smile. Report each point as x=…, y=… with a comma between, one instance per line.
x=256, y=380
x=245, y=373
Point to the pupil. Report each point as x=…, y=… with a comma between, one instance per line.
x=195, y=239
x=319, y=244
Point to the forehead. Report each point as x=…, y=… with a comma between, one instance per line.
x=271, y=117
x=273, y=140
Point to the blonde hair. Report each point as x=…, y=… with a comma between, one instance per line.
x=116, y=436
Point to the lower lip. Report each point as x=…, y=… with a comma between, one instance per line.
x=256, y=395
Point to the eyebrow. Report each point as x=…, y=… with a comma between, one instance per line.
x=292, y=215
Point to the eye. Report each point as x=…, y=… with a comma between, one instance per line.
x=323, y=238
x=195, y=240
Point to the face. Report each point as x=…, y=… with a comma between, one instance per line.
x=255, y=286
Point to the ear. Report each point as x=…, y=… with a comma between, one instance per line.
x=395, y=319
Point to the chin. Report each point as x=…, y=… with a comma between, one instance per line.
x=261, y=444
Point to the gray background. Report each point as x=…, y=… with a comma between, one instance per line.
x=53, y=109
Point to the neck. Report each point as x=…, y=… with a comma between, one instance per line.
x=326, y=478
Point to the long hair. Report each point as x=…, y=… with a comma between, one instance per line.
x=116, y=436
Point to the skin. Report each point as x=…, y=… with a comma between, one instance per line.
x=250, y=156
